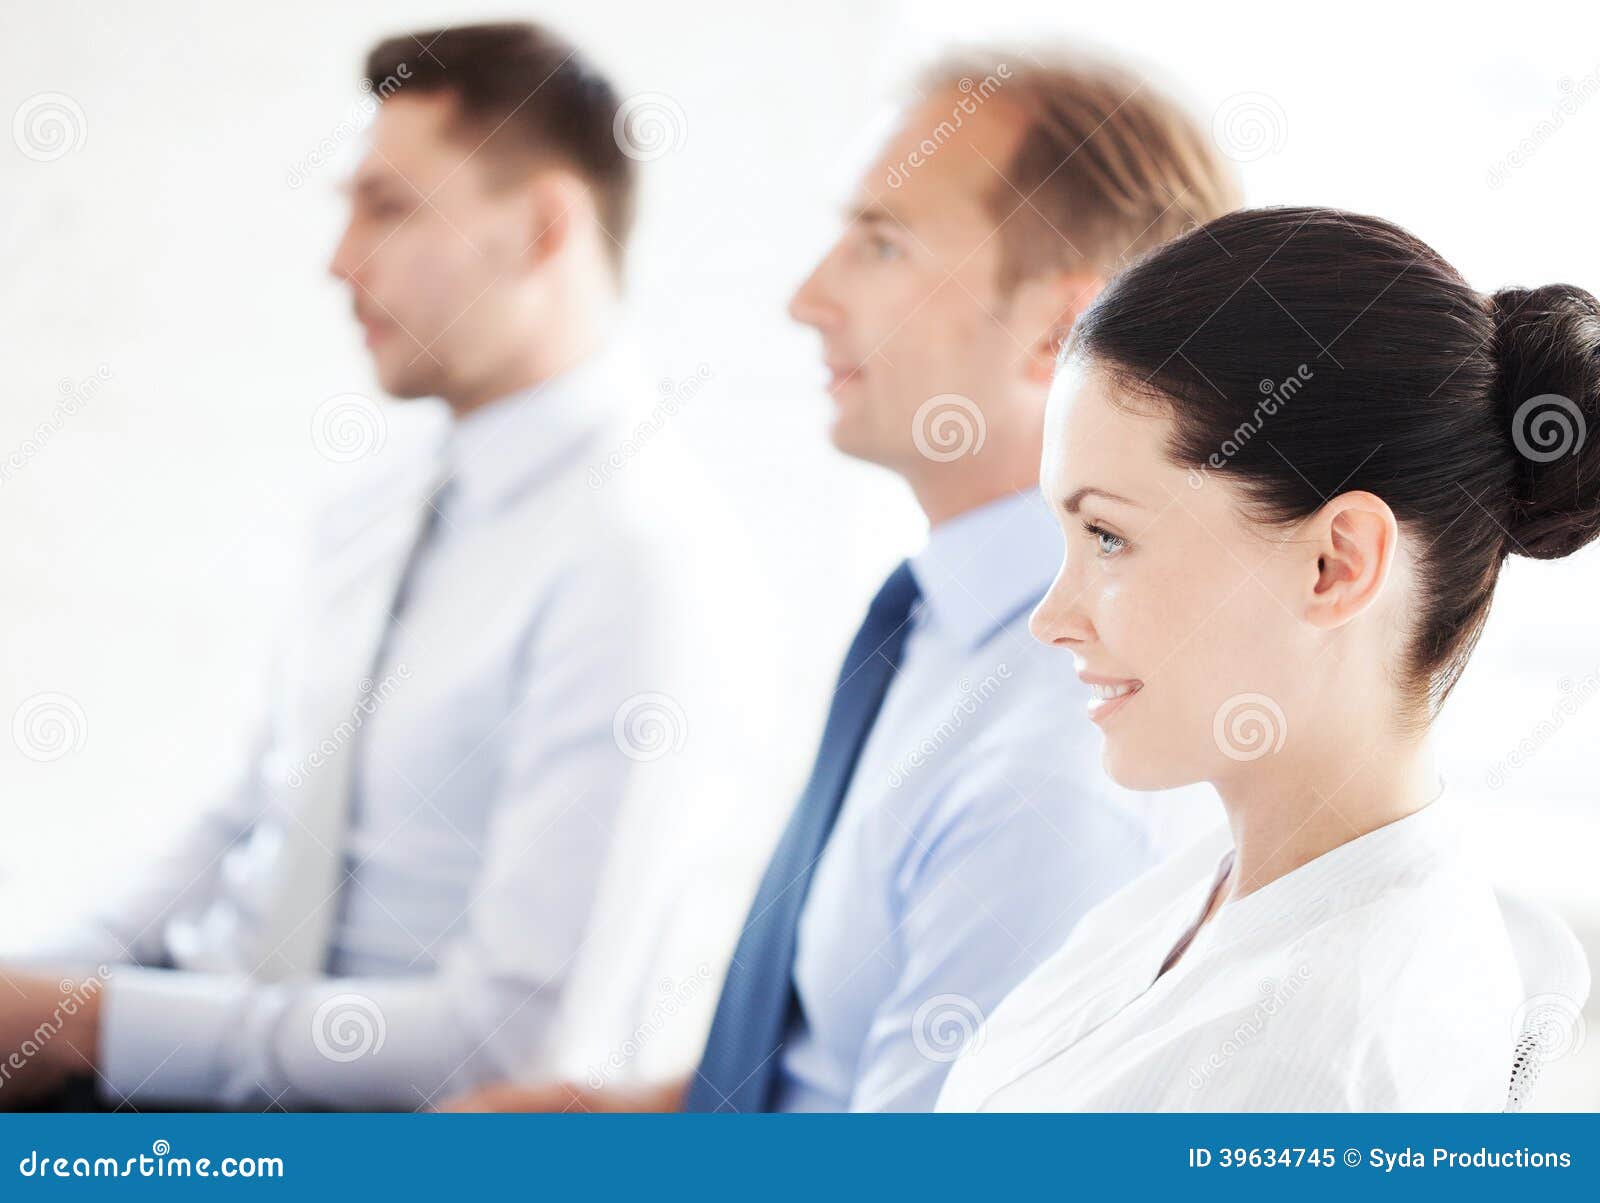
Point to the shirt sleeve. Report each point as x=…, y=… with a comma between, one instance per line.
x=483, y=1012
x=128, y=923
x=989, y=887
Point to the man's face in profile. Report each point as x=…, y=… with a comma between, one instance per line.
x=434, y=246
x=908, y=301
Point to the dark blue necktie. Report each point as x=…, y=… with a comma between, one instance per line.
x=740, y=1068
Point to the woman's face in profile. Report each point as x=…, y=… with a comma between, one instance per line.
x=1182, y=613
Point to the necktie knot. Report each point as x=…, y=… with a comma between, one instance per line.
x=896, y=596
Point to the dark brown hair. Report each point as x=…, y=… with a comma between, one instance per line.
x=1107, y=169
x=1474, y=417
x=530, y=95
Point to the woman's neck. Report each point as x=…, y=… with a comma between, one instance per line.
x=1287, y=817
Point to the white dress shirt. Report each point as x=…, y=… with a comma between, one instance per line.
x=543, y=674
x=1377, y=977
x=977, y=829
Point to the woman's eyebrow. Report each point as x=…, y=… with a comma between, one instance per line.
x=1075, y=500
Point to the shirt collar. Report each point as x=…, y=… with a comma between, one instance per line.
x=980, y=569
x=496, y=453
x=1423, y=840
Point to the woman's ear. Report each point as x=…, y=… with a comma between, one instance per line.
x=1355, y=536
x=1045, y=309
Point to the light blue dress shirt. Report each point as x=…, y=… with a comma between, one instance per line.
x=539, y=683
x=978, y=828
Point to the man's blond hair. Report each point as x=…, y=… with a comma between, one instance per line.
x=1108, y=168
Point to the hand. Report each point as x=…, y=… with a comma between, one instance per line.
x=568, y=1096
x=507, y=1096
x=49, y=1031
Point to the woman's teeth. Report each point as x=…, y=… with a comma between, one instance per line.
x=1106, y=692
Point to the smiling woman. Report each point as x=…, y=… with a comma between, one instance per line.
x=1283, y=621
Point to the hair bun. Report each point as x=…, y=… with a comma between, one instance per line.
x=1547, y=350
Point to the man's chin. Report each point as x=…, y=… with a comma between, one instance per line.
x=404, y=387
x=849, y=438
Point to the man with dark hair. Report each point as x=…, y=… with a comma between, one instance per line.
x=495, y=661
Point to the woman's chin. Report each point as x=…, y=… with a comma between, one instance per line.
x=1131, y=770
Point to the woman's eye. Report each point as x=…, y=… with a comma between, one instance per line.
x=1107, y=543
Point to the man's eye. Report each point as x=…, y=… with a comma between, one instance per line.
x=1107, y=543
x=882, y=248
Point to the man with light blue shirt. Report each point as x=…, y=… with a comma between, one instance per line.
x=495, y=658
x=956, y=823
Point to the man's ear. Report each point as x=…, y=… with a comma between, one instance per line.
x=1045, y=309
x=555, y=201
x=1355, y=538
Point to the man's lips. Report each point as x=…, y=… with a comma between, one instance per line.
x=841, y=374
x=373, y=332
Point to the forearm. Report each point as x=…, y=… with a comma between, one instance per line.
x=340, y=1043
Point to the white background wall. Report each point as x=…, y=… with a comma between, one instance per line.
x=168, y=252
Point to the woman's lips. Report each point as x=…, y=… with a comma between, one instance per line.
x=1107, y=695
